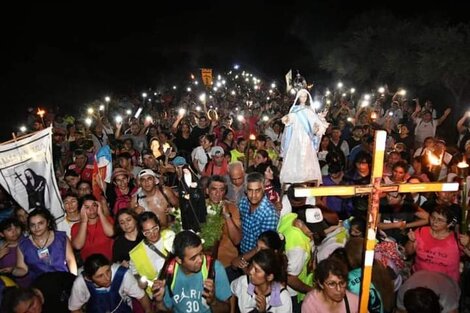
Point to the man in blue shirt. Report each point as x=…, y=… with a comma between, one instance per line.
x=192, y=289
x=257, y=213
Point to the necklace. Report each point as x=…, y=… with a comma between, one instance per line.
x=45, y=243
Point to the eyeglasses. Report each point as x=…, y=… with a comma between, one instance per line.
x=335, y=284
x=151, y=230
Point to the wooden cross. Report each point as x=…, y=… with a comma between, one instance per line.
x=373, y=189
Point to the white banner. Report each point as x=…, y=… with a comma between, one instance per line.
x=27, y=173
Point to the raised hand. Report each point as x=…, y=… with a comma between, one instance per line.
x=261, y=303
x=209, y=291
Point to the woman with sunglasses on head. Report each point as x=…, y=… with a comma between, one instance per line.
x=330, y=293
x=436, y=246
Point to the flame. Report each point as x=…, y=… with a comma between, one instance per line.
x=434, y=160
x=252, y=137
x=41, y=112
x=462, y=164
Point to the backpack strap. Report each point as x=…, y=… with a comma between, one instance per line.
x=172, y=267
x=160, y=187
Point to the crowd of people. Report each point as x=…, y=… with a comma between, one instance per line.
x=201, y=214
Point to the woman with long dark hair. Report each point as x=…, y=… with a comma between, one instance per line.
x=128, y=235
x=263, y=289
x=227, y=143
x=45, y=250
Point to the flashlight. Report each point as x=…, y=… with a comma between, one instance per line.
x=137, y=114
x=316, y=105
x=202, y=97
x=118, y=119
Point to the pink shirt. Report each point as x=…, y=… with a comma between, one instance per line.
x=437, y=255
x=313, y=303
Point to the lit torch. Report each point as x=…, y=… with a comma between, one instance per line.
x=41, y=113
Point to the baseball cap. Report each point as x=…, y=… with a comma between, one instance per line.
x=178, y=161
x=217, y=151
x=313, y=219
x=119, y=171
x=148, y=172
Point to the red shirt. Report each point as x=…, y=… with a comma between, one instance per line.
x=85, y=173
x=96, y=241
x=437, y=255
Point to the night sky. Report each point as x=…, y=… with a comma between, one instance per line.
x=54, y=55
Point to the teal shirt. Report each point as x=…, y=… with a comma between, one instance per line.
x=187, y=293
x=354, y=285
